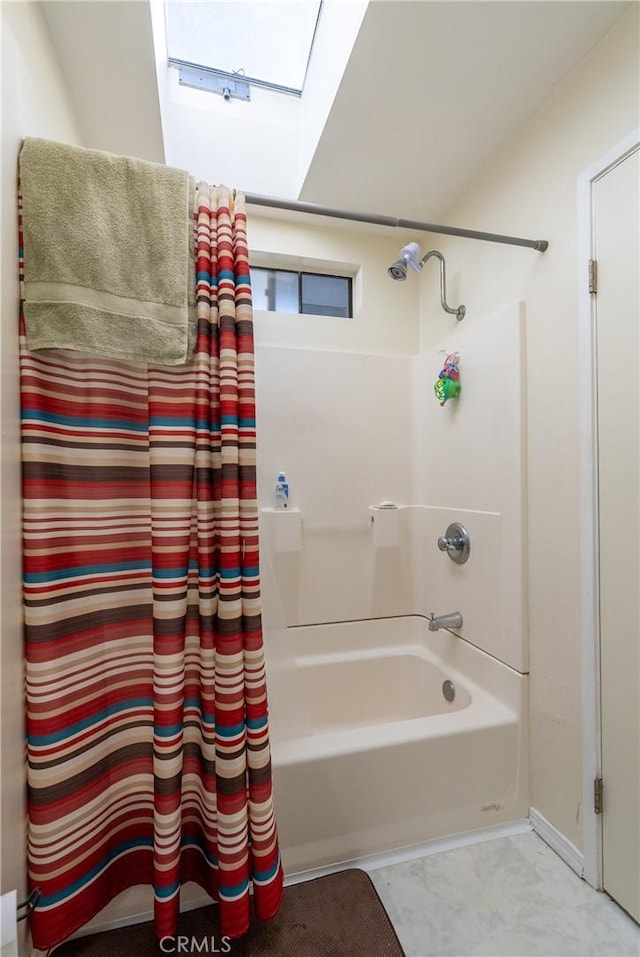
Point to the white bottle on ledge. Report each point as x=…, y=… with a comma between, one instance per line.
x=282, y=492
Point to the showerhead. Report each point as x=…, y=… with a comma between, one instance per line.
x=409, y=256
x=398, y=270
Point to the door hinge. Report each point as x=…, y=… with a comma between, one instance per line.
x=593, y=275
x=597, y=796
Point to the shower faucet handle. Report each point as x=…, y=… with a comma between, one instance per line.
x=455, y=542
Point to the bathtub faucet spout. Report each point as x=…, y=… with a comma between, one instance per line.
x=452, y=620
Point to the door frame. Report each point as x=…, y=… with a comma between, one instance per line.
x=589, y=542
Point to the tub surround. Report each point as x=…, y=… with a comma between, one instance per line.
x=378, y=433
x=471, y=466
x=413, y=576
x=485, y=589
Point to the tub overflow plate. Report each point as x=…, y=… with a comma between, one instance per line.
x=448, y=690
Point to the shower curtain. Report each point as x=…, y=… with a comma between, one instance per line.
x=147, y=730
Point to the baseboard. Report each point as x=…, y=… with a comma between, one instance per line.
x=557, y=841
x=199, y=900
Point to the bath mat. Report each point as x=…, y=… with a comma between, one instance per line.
x=336, y=916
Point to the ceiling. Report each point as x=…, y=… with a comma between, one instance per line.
x=106, y=54
x=431, y=90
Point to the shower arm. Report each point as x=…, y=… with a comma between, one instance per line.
x=460, y=311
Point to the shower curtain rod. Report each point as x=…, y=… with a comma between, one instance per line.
x=255, y=199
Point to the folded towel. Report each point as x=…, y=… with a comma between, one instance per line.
x=108, y=251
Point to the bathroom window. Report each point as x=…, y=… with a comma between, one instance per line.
x=307, y=293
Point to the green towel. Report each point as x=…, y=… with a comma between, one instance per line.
x=108, y=251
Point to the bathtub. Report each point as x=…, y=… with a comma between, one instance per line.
x=369, y=756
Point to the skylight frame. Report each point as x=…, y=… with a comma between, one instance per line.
x=235, y=77
x=191, y=67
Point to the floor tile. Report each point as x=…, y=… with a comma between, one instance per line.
x=511, y=896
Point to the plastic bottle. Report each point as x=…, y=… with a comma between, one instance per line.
x=282, y=491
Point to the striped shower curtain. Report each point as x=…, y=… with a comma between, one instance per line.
x=148, y=745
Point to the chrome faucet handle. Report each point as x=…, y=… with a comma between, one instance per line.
x=455, y=542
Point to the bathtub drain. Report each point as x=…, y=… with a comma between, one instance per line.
x=448, y=690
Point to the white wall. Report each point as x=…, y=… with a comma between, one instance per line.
x=529, y=189
x=34, y=103
x=385, y=312
x=340, y=24
x=106, y=53
x=248, y=145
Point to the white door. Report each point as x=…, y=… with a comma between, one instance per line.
x=616, y=231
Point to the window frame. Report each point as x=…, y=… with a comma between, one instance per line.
x=307, y=272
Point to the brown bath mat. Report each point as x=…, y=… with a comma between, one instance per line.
x=336, y=916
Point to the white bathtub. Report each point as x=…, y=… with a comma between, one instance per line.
x=369, y=756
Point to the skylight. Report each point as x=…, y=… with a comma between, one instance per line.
x=259, y=40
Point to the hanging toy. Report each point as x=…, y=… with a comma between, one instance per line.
x=447, y=385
